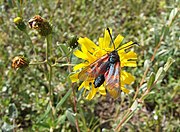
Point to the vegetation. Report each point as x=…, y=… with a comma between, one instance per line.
x=37, y=93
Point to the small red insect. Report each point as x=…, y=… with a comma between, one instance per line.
x=106, y=69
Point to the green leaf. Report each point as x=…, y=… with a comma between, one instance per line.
x=45, y=114
x=172, y=15
x=150, y=93
x=70, y=116
x=61, y=119
x=165, y=31
x=159, y=72
x=134, y=106
x=13, y=112
x=156, y=36
x=7, y=127
x=151, y=80
x=169, y=62
x=64, y=49
x=143, y=87
x=61, y=102
x=147, y=63
x=133, y=110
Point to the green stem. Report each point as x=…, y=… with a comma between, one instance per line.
x=37, y=62
x=48, y=55
x=47, y=49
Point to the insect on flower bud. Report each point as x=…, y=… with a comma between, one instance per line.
x=19, y=62
x=41, y=25
x=20, y=23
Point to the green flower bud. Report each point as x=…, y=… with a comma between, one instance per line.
x=20, y=23
x=73, y=42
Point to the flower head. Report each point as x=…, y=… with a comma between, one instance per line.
x=90, y=52
x=41, y=25
x=19, y=62
x=20, y=23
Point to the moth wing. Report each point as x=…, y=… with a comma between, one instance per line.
x=94, y=69
x=112, y=80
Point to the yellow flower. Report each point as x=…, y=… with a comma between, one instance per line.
x=90, y=52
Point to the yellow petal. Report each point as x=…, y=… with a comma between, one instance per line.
x=131, y=55
x=92, y=93
x=125, y=90
x=74, y=77
x=102, y=90
x=118, y=40
x=78, y=66
x=130, y=64
x=80, y=54
x=81, y=86
x=84, y=49
x=99, y=53
x=101, y=41
x=127, y=78
x=126, y=46
x=87, y=43
x=91, y=58
x=86, y=85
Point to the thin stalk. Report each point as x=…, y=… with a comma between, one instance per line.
x=74, y=97
x=37, y=62
x=48, y=55
x=147, y=68
x=118, y=127
x=142, y=81
x=75, y=108
x=137, y=89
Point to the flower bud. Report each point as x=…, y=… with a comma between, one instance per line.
x=20, y=23
x=19, y=62
x=73, y=42
x=41, y=25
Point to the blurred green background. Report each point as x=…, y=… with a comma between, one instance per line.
x=24, y=93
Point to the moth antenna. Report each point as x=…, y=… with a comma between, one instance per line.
x=135, y=43
x=111, y=37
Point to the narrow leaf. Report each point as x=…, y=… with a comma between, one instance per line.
x=172, y=15
x=159, y=72
x=147, y=63
x=134, y=106
x=156, y=36
x=70, y=116
x=61, y=102
x=151, y=80
x=169, y=62
x=61, y=119
x=45, y=114
x=165, y=31
x=13, y=112
x=133, y=110
x=7, y=127
x=64, y=49
x=150, y=93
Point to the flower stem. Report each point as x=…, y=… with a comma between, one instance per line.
x=122, y=121
x=74, y=97
x=48, y=55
